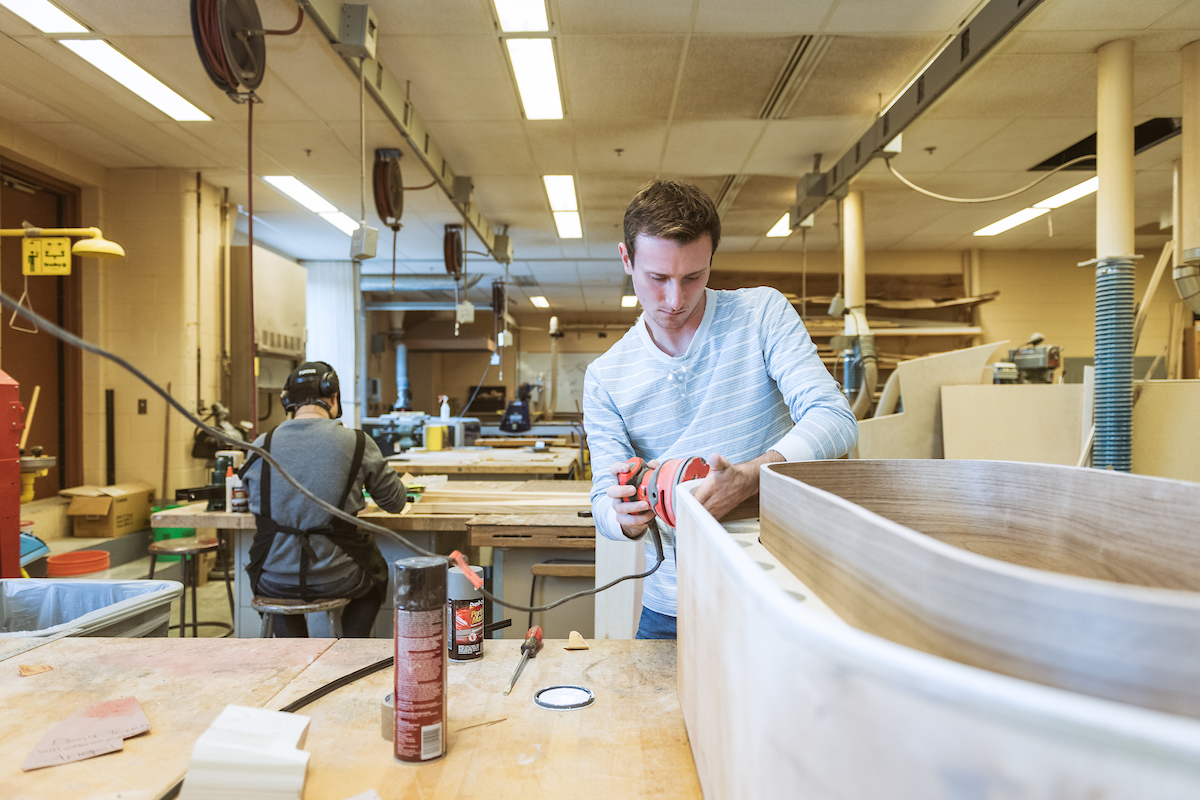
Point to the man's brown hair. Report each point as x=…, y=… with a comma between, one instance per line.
x=671, y=210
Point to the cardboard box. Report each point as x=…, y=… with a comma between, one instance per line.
x=109, y=511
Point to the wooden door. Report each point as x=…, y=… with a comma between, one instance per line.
x=39, y=359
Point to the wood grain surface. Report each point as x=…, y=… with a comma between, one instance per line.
x=782, y=701
x=532, y=530
x=182, y=685
x=630, y=744
x=555, y=461
x=1009, y=613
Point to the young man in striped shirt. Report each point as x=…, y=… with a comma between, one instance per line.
x=732, y=376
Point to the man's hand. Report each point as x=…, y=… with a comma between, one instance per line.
x=728, y=484
x=633, y=515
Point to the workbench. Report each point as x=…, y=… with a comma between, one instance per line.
x=465, y=463
x=631, y=743
x=534, y=538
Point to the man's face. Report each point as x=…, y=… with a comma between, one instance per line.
x=669, y=279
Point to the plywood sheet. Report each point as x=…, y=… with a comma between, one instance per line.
x=1115, y=640
x=1020, y=422
x=781, y=701
x=1166, y=430
x=916, y=432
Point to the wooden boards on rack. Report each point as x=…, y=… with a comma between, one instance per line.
x=780, y=701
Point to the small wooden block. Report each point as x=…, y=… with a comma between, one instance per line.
x=575, y=641
x=33, y=669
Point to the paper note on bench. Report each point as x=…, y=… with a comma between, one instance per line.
x=249, y=753
x=91, y=731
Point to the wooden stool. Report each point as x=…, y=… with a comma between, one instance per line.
x=189, y=551
x=270, y=606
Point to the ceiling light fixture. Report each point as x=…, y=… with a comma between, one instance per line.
x=314, y=202
x=1012, y=221
x=522, y=16
x=629, y=301
x=1068, y=195
x=540, y=301
x=561, y=191
x=537, y=78
x=43, y=15
x=106, y=58
x=569, y=226
x=781, y=228
x=1038, y=209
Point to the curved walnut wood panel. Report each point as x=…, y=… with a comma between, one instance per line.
x=1127, y=643
x=1091, y=523
x=780, y=701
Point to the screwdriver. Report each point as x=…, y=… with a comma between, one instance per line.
x=529, y=649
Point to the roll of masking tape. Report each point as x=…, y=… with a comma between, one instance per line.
x=387, y=717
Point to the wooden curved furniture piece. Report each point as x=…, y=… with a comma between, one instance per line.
x=958, y=675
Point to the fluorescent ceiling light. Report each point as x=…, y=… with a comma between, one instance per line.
x=522, y=15
x=540, y=301
x=43, y=15
x=104, y=57
x=561, y=191
x=301, y=193
x=1067, y=195
x=305, y=196
x=537, y=79
x=781, y=228
x=568, y=224
x=629, y=301
x=340, y=220
x=1012, y=221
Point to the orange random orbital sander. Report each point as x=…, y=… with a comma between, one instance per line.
x=656, y=486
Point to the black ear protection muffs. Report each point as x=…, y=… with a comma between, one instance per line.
x=316, y=373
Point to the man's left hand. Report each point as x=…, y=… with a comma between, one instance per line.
x=728, y=484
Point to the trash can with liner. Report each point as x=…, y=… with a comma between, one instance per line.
x=46, y=607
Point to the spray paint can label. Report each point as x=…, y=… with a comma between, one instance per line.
x=420, y=639
x=465, y=629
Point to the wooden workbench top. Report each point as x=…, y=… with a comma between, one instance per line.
x=631, y=743
x=475, y=461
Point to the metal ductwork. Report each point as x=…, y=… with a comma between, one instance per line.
x=1187, y=279
x=416, y=283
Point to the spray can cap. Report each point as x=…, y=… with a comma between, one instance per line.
x=229, y=472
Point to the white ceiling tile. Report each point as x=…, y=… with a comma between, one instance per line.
x=1083, y=15
x=453, y=77
x=623, y=16
x=787, y=147
x=762, y=16
x=640, y=143
x=418, y=17
x=1009, y=85
x=520, y=193
x=633, y=76
x=77, y=138
x=718, y=147
x=485, y=148
x=888, y=16
x=17, y=106
x=731, y=77
x=857, y=74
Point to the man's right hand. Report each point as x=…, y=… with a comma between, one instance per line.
x=632, y=514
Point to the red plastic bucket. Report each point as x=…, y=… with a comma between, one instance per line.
x=79, y=564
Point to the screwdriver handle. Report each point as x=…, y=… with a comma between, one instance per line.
x=533, y=641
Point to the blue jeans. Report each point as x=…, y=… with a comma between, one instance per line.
x=654, y=625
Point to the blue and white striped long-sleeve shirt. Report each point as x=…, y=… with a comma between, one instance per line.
x=750, y=381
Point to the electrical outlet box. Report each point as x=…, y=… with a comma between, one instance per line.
x=505, y=339
x=359, y=32
x=374, y=390
x=462, y=189
x=464, y=312
x=363, y=242
x=502, y=248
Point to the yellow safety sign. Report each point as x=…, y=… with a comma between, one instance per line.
x=46, y=255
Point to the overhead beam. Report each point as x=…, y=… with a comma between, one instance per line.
x=392, y=99
x=993, y=22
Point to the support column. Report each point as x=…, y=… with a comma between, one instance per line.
x=1187, y=187
x=854, y=257
x=1114, y=258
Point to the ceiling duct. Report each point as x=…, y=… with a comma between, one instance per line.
x=416, y=283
